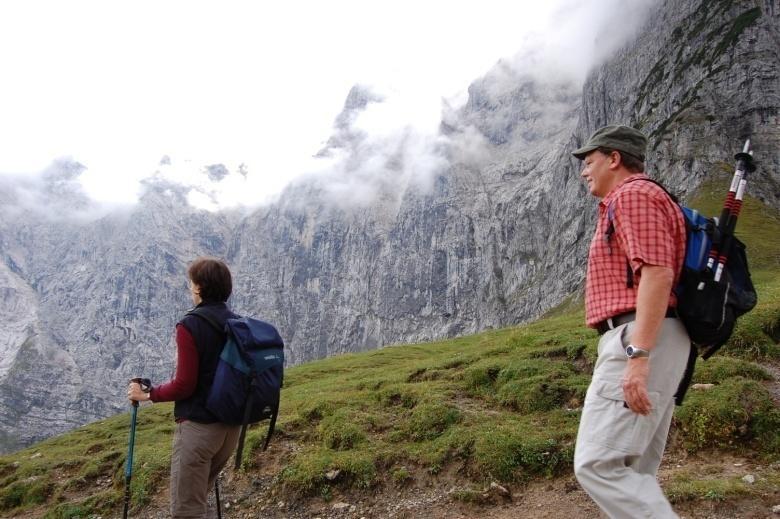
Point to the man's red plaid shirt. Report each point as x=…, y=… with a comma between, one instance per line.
x=648, y=230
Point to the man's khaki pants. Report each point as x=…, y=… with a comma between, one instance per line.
x=200, y=451
x=618, y=451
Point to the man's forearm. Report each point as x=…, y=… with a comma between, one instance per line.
x=655, y=285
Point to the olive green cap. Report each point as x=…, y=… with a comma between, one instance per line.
x=622, y=138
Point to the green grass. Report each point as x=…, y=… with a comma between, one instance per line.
x=503, y=406
x=711, y=484
x=54, y=471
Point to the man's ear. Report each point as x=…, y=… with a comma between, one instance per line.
x=615, y=159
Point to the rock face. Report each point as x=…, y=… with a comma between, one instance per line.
x=493, y=232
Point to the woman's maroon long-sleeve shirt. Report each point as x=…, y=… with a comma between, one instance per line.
x=186, y=375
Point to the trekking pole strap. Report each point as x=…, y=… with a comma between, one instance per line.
x=271, y=426
x=685, y=383
x=242, y=436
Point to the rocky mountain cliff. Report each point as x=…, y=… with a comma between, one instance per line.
x=485, y=225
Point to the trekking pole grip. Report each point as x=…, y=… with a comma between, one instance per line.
x=146, y=386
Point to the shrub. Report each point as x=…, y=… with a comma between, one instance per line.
x=719, y=369
x=481, y=377
x=428, y=421
x=535, y=394
x=339, y=432
x=397, y=396
x=731, y=414
x=400, y=475
x=307, y=472
x=512, y=454
x=31, y=491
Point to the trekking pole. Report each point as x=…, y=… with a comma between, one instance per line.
x=726, y=211
x=744, y=165
x=146, y=386
x=216, y=495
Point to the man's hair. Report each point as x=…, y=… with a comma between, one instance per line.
x=213, y=278
x=633, y=164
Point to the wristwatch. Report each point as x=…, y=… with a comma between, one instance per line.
x=634, y=352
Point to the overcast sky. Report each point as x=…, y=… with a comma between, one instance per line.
x=117, y=86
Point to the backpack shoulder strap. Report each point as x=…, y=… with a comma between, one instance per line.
x=611, y=219
x=206, y=316
x=657, y=183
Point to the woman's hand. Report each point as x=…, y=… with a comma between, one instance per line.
x=134, y=392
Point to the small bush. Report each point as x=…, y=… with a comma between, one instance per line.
x=28, y=492
x=523, y=369
x=719, y=369
x=307, y=472
x=400, y=475
x=481, y=377
x=535, y=394
x=455, y=443
x=315, y=411
x=12, y=496
x=397, y=396
x=428, y=421
x=93, y=506
x=470, y=495
x=339, y=432
x=756, y=333
x=683, y=488
x=731, y=414
x=38, y=492
x=510, y=454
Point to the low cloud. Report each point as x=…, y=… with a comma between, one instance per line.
x=54, y=194
x=375, y=153
x=387, y=140
x=579, y=36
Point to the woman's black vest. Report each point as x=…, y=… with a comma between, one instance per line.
x=208, y=343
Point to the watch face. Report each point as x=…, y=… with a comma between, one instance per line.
x=633, y=352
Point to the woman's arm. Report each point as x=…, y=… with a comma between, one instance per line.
x=186, y=377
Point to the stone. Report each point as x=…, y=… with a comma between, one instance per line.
x=498, y=488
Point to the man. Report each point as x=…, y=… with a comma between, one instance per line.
x=635, y=259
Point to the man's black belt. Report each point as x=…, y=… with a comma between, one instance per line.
x=613, y=322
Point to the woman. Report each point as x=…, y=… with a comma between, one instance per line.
x=201, y=445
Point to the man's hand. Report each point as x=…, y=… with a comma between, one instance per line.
x=635, y=385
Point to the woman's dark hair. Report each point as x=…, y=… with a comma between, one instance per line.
x=633, y=164
x=213, y=278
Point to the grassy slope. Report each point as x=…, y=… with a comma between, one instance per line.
x=501, y=406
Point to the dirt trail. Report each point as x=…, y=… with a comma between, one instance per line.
x=434, y=498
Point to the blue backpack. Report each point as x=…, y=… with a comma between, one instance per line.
x=708, y=308
x=249, y=376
